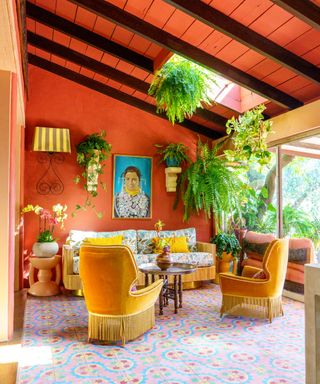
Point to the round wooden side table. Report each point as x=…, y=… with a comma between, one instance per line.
x=168, y=291
x=44, y=286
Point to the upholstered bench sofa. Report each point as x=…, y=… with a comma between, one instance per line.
x=142, y=245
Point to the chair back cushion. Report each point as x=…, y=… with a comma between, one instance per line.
x=107, y=274
x=76, y=237
x=145, y=244
x=255, y=244
x=301, y=251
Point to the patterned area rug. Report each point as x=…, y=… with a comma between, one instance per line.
x=193, y=346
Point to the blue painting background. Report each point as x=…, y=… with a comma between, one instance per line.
x=121, y=162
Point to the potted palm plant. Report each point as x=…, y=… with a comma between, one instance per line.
x=227, y=249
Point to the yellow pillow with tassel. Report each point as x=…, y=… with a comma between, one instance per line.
x=177, y=244
x=115, y=240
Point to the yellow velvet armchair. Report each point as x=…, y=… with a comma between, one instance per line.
x=116, y=312
x=259, y=296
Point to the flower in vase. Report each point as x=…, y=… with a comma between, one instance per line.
x=159, y=243
x=47, y=220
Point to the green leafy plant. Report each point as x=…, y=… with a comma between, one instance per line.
x=173, y=154
x=209, y=185
x=249, y=133
x=91, y=152
x=180, y=87
x=226, y=242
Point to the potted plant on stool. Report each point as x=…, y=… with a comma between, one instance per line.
x=227, y=249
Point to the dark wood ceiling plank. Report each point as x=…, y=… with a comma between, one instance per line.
x=85, y=61
x=114, y=93
x=105, y=70
x=67, y=27
x=246, y=36
x=166, y=40
x=305, y=10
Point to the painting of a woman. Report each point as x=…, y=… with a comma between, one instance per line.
x=132, y=187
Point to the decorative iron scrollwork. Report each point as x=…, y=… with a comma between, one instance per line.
x=50, y=182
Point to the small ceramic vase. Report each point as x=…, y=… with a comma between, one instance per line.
x=164, y=259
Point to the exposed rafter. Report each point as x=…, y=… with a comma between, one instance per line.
x=166, y=40
x=65, y=26
x=86, y=61
x=114, y=93
x=105, y=70
x=232, y=28
x=303, y=9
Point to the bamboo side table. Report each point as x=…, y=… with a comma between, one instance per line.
x=45, y=286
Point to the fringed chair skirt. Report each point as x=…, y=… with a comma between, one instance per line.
x=265, y=307
x=120, y=327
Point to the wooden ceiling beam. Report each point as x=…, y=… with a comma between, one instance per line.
x=115, y=94
x=246, y=36
x=67, y=27
x=86, y=61
x=107, y=71
x=305, y=10
x=166, y=40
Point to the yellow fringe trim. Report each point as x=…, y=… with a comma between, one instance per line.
x=266, y=307
x=124, y=328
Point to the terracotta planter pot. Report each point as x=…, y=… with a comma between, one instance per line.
x=224, y=263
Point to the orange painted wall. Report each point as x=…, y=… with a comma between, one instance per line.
x=56, y=102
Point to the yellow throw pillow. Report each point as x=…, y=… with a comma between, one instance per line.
x=177, y=244
x=115, y=240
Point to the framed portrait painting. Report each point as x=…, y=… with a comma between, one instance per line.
x=132, y=187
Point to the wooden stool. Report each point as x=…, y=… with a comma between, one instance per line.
x=44, y=286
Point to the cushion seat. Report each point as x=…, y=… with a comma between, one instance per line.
x=201, y=259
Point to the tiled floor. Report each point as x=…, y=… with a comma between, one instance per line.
x=193, y=346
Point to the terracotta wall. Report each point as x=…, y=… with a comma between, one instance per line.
x=56, y=102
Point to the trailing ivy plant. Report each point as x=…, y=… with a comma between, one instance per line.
x=180, y=87
x=209, y=185
x=249, y=133
x=91, y=152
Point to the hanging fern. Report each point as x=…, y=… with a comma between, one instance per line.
x=180, y=87
x=209, y=185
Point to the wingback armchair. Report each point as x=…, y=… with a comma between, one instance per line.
x=301, y=252
x=257, y=292
x=116, y=312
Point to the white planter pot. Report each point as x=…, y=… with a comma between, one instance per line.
x=45, y=249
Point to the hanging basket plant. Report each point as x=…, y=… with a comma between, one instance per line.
x=91, y=153
x=180, y=87
x=249, y=134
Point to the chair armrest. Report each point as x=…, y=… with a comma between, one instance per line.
x=207, y=247
x=67, y=259
x=143, y=298
x=249, y=271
